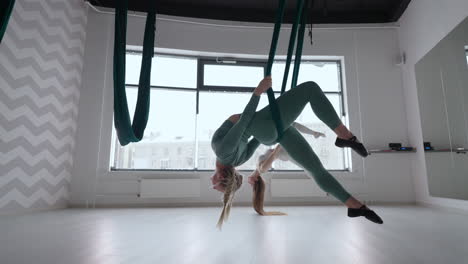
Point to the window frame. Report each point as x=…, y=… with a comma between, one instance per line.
x=216, y=88
x=466, y=53
x=208, y=60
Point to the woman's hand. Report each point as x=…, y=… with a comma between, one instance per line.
x=266, y=164
x=217, y=180
x=264, y=85
x=318, y=134
x=276, y=151
x=253, y=178
x=234, y=118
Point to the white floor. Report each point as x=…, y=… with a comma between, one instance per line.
x=316, y=234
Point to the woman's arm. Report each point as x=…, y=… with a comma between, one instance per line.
x=267, y=163
x=234, y=118
x=253, y=177
x=251, y=147
x=232, y=138
x=264, y=165
x=301, y=128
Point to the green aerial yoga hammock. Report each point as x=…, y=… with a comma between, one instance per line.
x=292, y=39
x=131, y=132
x=300, y=17
x=5, y=11
x=300, y=42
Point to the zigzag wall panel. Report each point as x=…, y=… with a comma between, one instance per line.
x=41, y=61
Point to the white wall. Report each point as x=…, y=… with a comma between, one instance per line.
x=423, y=25
x=442, y=78
x=41, y=61
x=373, y=89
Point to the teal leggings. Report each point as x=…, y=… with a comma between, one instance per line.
x=290, y=106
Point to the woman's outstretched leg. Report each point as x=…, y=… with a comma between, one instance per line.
x=291, y=104
x=301, y=152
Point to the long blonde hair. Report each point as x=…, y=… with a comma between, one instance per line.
x=232, y=183
x=258, y=197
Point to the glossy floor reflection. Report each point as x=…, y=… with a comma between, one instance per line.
x=316, y=234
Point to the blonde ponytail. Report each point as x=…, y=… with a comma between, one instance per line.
x=258, y=197
x=232, y=184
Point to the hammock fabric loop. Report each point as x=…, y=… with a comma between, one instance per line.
x=271, y=57
x=6, y=7
x=132, y=132
x=300, y=44
x=292, y=39
x=300, y=18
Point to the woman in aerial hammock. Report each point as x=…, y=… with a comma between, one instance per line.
x=232, y=147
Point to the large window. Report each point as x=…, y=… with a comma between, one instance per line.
x=191, y=97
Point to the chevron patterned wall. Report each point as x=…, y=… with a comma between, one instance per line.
x=41, y=60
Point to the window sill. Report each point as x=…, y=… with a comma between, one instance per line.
x=135, y=175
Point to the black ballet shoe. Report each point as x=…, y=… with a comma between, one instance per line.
x=352, y=143
x=366, y=212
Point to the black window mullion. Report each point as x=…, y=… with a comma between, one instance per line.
x=197, y=109
x=251, y=63
x=217, y=88
x=200, y=78
x=163, y=87
x=212, y=88
x=340, y=76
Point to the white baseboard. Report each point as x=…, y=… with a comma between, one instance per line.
x=447, y=208
x=30, y=211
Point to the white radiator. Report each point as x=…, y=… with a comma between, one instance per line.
x=169, y=188
x=295, y=188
